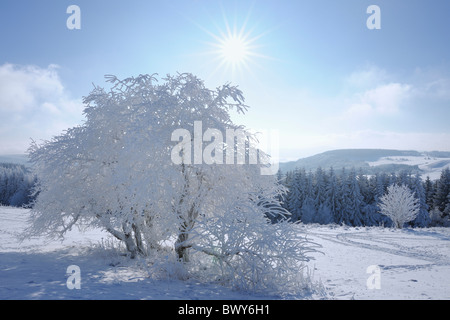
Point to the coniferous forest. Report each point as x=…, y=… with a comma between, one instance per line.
x=16, y=184
x=352, y=198
x=346, y=196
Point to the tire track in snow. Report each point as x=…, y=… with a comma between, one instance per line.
x=389, y=246
x=394, y=248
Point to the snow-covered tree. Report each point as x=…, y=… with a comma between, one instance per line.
x=352, y=200
x=429, y=192
x=16, y=183
x=447, y=208
x=308, y=210
x=442, y=193
x=295, y=196
x=135, y=168
x=404, y=177
x=321, y=202
x=324, y=214
x=320, y=183
x=332, y=194
x=245, y=253
x=423, y=217
x=400, y=205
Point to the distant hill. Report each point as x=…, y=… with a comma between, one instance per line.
x=369, y=160
x=15, y=158
x=375, y=160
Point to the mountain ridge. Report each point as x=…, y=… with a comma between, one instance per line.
x=371, y=161
x=15, y=158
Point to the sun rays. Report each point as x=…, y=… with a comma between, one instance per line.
x=234, y=49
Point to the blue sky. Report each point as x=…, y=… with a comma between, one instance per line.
x=314, y=72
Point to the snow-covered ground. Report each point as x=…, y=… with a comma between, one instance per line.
x=430, y=166
x=413, y=264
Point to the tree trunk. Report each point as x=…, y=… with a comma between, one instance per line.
x=131, y=246
x=180, y=248
x=138, y=239
x=129, y=240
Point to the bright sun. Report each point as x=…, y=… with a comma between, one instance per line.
x=234, y=50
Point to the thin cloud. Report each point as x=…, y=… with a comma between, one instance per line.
x=33, y=104
x=368, y=77
x=382, y=100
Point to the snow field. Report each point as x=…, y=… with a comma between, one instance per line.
x=413, y=264
x=430, y=166
x=36, y=268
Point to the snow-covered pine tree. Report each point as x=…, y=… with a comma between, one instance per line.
x=324, y=214
x=404, y=177
x=296, y=193
x=441, y=199
x=446, y=214
x=423, y=217
x=352, y=200
x=308, y=211
x=368, y=190
x=320, y=185
x=287, y=181
x=429, y=192
x=381, y=185
x=365, y=187
x=341, y=199
x=447, y=206
x=4, y=194
x=322, y=204
x=392, y=179
x=332, y=194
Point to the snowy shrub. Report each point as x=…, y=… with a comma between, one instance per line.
x=399, y=204
x=117, y=172
x=248, y=252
